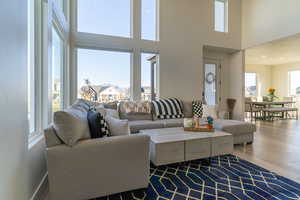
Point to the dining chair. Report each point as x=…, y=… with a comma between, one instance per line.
x=251, y=109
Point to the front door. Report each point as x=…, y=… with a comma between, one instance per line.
x=211, y=82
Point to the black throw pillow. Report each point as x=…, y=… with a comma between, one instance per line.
x=97, y=124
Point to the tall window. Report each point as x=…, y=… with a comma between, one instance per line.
x=61, y=5
x=149, y=76
x=294, y=83
x=103, y=76
x=221, y=15
x=149, y=19
x=31, y=68
x=107, y=17
x=250, y=85
x=57, y=71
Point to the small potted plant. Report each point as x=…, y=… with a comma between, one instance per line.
x=210, y=122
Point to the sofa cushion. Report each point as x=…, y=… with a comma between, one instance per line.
x=136, y=126
x=234, y=127
x=71, y=125
x=170, y=123
x=187, y=109
x=51, y=137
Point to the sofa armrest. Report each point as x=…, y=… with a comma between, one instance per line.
x=98, y=167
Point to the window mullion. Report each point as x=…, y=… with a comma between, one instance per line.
x=136, y=75
x=136, y=19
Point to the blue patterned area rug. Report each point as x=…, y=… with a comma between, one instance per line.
x=227, y=177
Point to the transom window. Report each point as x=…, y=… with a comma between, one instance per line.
x=149, y=19
x=221, y=15
x=106, y=17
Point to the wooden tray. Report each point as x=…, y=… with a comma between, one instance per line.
x=200, y=129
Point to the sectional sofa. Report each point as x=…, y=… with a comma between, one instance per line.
x=103, y=166
x=242, y=132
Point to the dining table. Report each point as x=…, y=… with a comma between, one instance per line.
x=268, y=106
x=271, y=103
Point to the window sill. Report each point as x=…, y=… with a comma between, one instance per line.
x=34, y=138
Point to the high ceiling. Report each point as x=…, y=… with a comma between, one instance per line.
x=281, y=51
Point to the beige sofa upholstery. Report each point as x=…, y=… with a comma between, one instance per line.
x=96, y=167
x=242, y=131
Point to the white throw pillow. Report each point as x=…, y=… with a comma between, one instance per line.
x=210, y=110
x=118, y=127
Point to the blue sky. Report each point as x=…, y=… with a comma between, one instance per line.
x=111, y=18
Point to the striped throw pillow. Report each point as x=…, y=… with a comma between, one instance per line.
x=170, y=108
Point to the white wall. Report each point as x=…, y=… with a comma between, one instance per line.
x=185, y=27
x=263, y=75
x=21, y=168
x=13, y=114
x=268, y=20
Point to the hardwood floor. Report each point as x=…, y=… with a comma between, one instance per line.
x=276, y=147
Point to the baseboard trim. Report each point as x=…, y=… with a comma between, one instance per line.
x=41, y=190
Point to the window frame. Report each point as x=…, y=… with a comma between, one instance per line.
x=108, y=50
x=103, y=42
x=46, y=13
x=132, y=16
x=226, y=16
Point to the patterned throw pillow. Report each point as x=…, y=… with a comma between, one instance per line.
x=168, y=108
x=197, y=109
x=136, y=107
x=97, y=124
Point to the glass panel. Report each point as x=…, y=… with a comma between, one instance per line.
x=294, y=83
x=149, y=65
x=210, y=84
x=103, y=76
x=149, y=19
x=30, y=68
x=57, y=67
x=250, y=84
x=105, y=17
x=220, y=15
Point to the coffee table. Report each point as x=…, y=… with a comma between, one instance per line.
x=173, y=145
